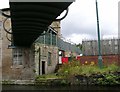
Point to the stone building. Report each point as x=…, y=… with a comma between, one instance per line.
x=46, y=51
x=108, y=47
x=22, y=57
x=48, y=47
x=46, y=59
x=17, y=62
x=56, y=26
x=0, y=50
x=22, y=63
x=0, y=41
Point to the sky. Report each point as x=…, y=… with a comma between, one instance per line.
x=81, y=22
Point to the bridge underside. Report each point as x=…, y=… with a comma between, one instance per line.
x=30, y=19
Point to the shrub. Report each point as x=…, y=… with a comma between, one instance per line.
x=109, y=79
x=75, y=68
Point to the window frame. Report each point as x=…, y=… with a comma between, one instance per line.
x=17, y=54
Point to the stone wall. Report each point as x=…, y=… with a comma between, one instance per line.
x=56, y=26
x=25, y=71
x=30, y=63
x=42, y=56
x=0, y=42
x=9, y=70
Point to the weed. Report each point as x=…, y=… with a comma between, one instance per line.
x=75, y=68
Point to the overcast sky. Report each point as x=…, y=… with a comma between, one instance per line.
x=80, y=22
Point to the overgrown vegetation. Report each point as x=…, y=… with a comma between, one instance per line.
x=47, y=76
x=75, y=68
x=87, y=73
x=109, y=79
x=51, y=79
x=7, y=82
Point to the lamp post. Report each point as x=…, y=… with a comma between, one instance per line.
x=99, y=46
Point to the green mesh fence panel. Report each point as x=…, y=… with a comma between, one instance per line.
x=54, y=40
x=51, y=39
x=48, y=39
x=67, y=46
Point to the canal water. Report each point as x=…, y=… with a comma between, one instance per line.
x=23, y=88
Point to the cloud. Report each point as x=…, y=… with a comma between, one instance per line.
x=4, y=4
x=81, y=19
x=77, y=38
x=109, y=36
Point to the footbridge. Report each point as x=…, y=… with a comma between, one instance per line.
x=29, y=18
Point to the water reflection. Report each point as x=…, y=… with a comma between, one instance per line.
x=26, y=88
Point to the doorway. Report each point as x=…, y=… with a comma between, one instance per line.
x=43, y=67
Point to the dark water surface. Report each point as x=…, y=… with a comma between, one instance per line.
x=23, y=88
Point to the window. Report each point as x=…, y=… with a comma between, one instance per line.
x=104, y=43
x=49, y=58
x=115, y=42
x=109, y=42
x=116, y=48
x=88, y=43
x=17, y=56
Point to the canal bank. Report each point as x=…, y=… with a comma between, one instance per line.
x=71, y=77
x=75, y=74
x=94, y=82
x=106, y=79
x=23, y=88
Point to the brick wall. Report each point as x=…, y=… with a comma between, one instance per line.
x=108, y=59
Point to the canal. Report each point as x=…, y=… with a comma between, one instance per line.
x=23, y=88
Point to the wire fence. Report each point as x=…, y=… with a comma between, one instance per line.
x=52, y=39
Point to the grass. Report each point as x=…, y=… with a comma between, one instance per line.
x=47, y=76
x=75, y=68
